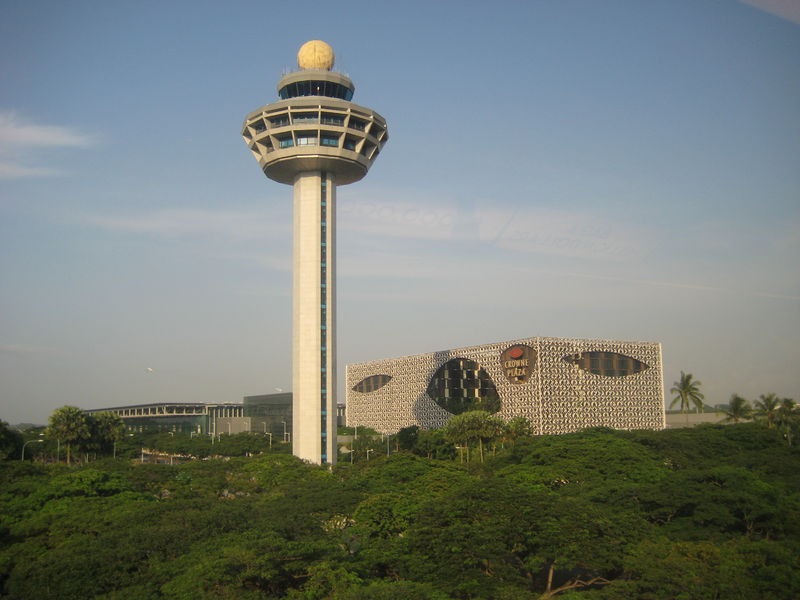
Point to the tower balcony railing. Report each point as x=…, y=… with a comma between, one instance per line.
x=342, y=140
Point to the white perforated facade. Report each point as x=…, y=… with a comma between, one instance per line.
x=558, y=393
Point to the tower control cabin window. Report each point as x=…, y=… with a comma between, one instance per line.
x=316, y=88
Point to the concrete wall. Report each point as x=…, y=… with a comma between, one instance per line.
x=677, y=420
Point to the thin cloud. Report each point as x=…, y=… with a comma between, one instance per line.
x=22, y=350
x=678, y=285
x=785, y=9
x=399, y=218
x=576, y=234
x=526, y=229
x=776, y=296
x=178, y=222
x=14, y=131
x=19, y=138
x=268, y=261
x=376, y=265
x=13, y=171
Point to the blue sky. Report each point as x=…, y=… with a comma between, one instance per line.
x=603, y=169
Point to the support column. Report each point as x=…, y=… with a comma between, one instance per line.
x=314, y=318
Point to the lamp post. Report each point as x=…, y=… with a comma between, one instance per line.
x=26, y=443
x=270, y=436
x=368, y=451
x=285, y=439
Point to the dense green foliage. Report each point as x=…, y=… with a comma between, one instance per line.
x=10, y=441
x=114, y=442
x=710, y=512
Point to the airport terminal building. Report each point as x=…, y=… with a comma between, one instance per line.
x=262, y=413
x=265, y=413
x=558, y=384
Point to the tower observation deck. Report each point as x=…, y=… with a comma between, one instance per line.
x=315, y=139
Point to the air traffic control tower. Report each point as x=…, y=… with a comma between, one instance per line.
x=315, y=139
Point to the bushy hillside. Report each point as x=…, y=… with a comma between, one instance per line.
x=712, y=512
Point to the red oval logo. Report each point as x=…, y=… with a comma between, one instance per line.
x=516, y=353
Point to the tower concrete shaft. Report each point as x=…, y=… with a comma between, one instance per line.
x=314, y=138
x=314, y=317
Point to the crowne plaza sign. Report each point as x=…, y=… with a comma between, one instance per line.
x=518, y=362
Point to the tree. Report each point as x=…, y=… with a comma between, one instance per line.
x=767, y=406
x=432, y=443
x=366, y=447
x=407, y=437
x=787, y=419
x=108, y=429
x=663, y=569
x=462, y=429
x=516, y=428
x=687, y=392
x=709, y=512
x=738, y=409
x=10, y=441
x=493, y=428
x=474, y=425
x=69, y=425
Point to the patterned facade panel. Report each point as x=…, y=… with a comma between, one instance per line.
x=558, y=396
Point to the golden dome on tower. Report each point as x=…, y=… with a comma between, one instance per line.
x=315, y=54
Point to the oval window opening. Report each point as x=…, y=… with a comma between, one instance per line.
x=607, y=364
x=371, y=383
x=461, y=385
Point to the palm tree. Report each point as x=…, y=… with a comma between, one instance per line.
x=474, y=425
x=788, y=419
x=767, y=406
x=738, y=409
x=69, y=424
x=687, y=392
x=109, y=429
x=491, y=430
x=461, y=430
x=787, y=410
x=516, y=428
